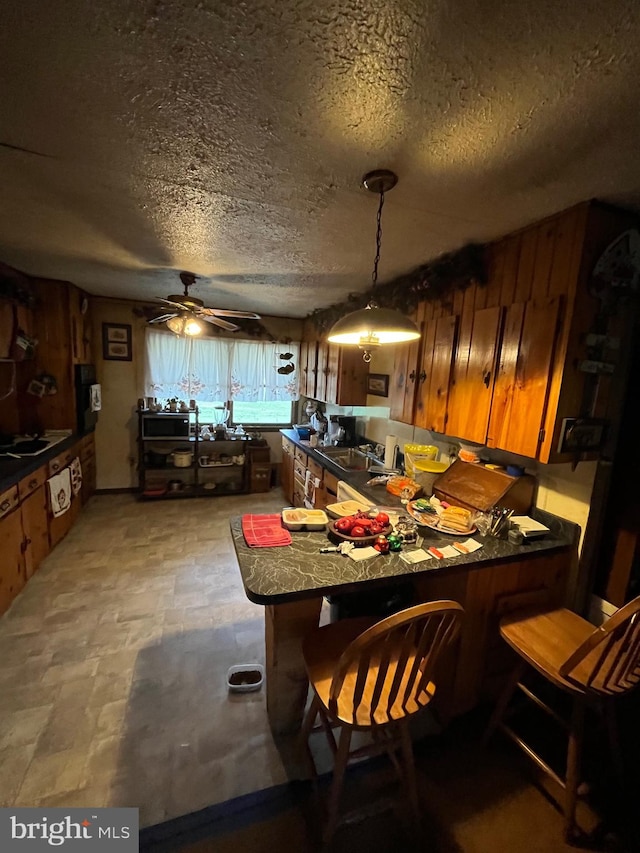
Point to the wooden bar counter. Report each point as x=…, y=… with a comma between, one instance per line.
x=291, y=582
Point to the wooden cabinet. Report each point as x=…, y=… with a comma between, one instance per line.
x=308, y=368
x=299, y=476
x=487, y=593
x=432, y=395
x=505, y=362
x=88, y=463
x=35, y=526
x=405, y=379
x=474, y=374
x=12, y=565
x=523, y=376
x=340, y=374
x=288, y=450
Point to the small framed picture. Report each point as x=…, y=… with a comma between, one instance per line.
x=116, y=342
x=378, y=384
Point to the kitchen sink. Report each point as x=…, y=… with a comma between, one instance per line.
x=347, y=458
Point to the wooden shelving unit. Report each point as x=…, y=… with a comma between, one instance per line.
x=219, y=466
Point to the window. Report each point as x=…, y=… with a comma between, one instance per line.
x=267, y=413
x=212, y=371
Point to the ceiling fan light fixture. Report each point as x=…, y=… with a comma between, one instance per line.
x=185, y=324
x=371, y=327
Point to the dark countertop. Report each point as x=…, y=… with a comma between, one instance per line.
x=297, y=571
x=13, y=470
x=276, y=575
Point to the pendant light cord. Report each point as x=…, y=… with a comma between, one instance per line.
x=374, y=274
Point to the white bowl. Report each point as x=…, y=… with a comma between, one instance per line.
x=240, y=673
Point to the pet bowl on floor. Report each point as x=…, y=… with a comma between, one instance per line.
x=244, y=677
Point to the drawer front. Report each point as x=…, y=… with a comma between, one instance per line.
x=316, y=470
x=87, y=447
x=288, y=447
x=8, y=500
x=299, y=471
x=29, y=484
x=330, y=484
x=301, y=456
x=61, y=461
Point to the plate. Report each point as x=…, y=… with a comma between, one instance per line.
x=359, y=540
x=347, y=508
x=428, y=519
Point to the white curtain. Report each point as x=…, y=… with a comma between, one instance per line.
x=218, y=369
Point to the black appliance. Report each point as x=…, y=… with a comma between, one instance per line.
x=164, y=425
x=87, y=397
x=348, y=424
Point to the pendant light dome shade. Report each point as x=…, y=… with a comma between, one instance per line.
x=372, y=326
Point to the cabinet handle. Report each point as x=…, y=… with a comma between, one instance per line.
x=422, y=376
x=55, y=466
x=5, y=505
x=412, y=376
x=487, y=379
x=32, y=484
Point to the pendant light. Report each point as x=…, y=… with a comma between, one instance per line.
x=372, y=326
x=185, y=324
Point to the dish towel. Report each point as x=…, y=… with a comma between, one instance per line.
x=311, y=483
x=75, y=470
x=60, y=492
x=95, y=398
x=264, y=531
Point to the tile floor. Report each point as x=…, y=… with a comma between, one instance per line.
x=113, y=662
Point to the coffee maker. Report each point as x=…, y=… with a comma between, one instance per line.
x=345, y=426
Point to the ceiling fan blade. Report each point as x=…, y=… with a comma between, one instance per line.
x=223, y=312
x=163, y=318
x=230, y=327
x=169, y=302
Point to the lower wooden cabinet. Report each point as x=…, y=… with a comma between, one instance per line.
x=12, y=565
x=28, y=530
x=288, y=450
x=35, y=527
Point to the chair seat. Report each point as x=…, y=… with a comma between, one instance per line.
x=322, y=650
x=546, y=640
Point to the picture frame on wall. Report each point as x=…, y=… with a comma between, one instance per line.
x=116, y=342
x=378, y=384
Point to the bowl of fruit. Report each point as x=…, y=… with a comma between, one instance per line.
x=361, y=528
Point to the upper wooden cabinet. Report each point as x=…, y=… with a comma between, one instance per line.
x=470, y=399
x=503, y=364
x=308, y=368
x=405, y=379
x=434, y=379
x=339, y=374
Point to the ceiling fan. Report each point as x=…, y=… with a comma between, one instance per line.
x=187, y=311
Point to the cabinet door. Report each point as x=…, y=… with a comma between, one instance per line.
x=438, y=348
x=287, y=469
x=404, y=382
x=12, y=570
x=322, y=370
x=524, y=368
x=473, y=377
x=308, y=359
x=36, y=529
x=333, y=373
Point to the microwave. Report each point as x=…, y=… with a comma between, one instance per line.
x=164, y=425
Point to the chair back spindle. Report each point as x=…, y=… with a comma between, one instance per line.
x=386, y=673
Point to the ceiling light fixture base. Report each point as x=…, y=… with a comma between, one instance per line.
x=380, y=181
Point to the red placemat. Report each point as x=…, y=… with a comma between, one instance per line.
x=264, y=531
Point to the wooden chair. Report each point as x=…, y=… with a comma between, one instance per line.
x=592, y=665
x=374, y=678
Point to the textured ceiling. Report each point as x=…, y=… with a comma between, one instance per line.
x=143, y=137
